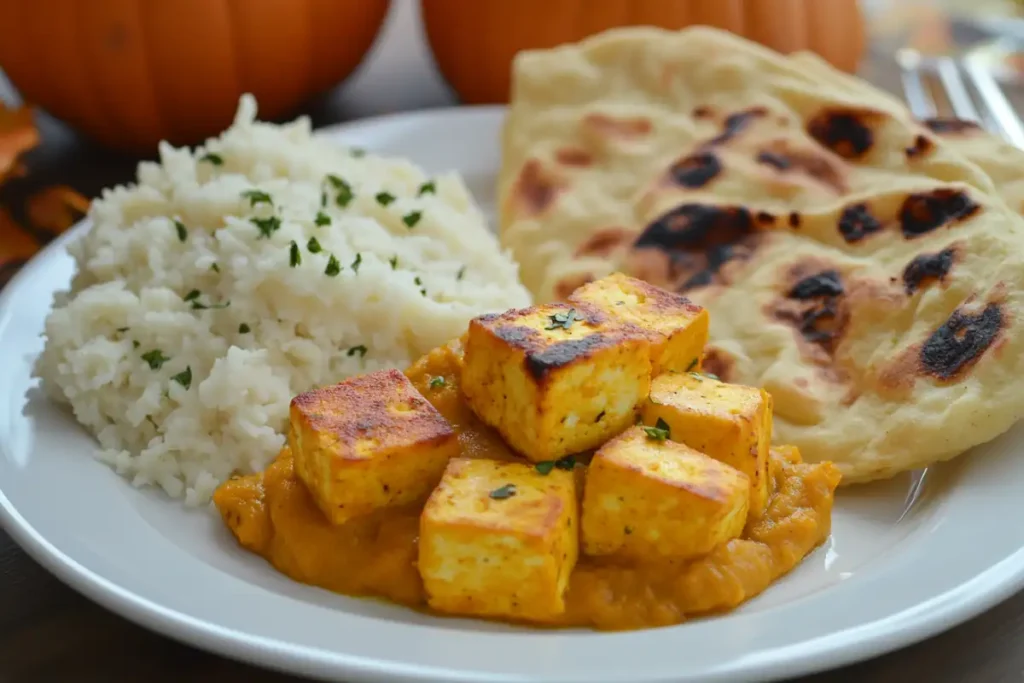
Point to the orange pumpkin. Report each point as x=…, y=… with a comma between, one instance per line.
x=474, y=42
x=133, y=72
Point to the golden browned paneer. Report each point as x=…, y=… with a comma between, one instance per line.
x=369, y=442
x=555, y=379
x=677, y=326
x=650, y=498
x=729, y=422
x=499, y=539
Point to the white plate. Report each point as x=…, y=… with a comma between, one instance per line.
x=907, y=558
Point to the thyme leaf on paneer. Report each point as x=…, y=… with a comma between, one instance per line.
x=659, y=432
x=503, y=492
x=437, y=382
x=563, y=320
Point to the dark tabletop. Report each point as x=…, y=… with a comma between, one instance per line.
x=50, y=633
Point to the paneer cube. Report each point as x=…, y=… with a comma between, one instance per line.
x=729, y=422
x=556, y=379
x=678, y=327
x=370, y=442
x=499, y=539
x=647, y=499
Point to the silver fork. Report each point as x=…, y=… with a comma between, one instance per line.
x=969, y=86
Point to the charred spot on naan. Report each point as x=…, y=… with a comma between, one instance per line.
x=925, y=269
x=695, y=171
x=946, y=126
x=847, y=132
x=605, y=242
x=960, y=341
x=813, y=305
x=535, y=189
x=617, y=128
x=784, y=159
x=718, y=362
x=574, y=156
x=923, y=212
x=736, y=123
x=857, y=222
x=921, y=146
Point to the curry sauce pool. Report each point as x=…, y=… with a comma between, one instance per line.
x=272, y=514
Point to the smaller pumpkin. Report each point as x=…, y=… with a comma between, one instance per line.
x=130, y=73
x=474, y=42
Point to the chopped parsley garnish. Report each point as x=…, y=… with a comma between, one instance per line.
x=155, y=358
x=567, y=463
x=213, y=158
x=257, y=197
x=412, y=218
x=182, y=232
x=659, y=432
x=214, y=267
x=314, y=246
x=268, y=226
x=506, y=491
x=361, y=350
x=384, y=198
x=322, y=219
x=355, y=264
x=192, y=296
x=122, y=330
x=199, y=306
x=563, y=320
x=419, y=283
x=344, y=194
x=461, y=274
x=184, y=378
x=244, y=329
x=427, y=188
x=323, y=198
x=135, y=344
x=294, y=255
x=333, y=267
x=436, y=382
x=394, y=262
x=357, y=152
x=692, y=365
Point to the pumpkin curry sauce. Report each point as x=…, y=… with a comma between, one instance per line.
x=272, y=514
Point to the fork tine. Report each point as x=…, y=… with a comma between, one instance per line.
x=918, y=98
x=992, y=97
x=956, y=91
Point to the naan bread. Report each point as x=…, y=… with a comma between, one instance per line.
x=861, y=266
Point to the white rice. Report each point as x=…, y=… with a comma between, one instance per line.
x=130, y=298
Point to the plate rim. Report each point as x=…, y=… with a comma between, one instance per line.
x=957, y=605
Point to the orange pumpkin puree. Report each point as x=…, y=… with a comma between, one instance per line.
x=273, y=515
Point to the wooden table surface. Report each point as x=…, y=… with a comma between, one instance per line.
x=50, y=633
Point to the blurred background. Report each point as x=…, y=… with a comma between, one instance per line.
x=87, y=89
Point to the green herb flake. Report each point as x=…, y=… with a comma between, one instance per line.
x=361, y=350
x=244, y=329
x=394, y=262
x=427, y=188
x=712, y=376
x=213, y=158
x=199, y=306
x=214, y=267
x=135, y=344
x=384, y=198
x=568, y=463
x=461, y=274
x=692, y=365
x=192, y=296
x=344, y=194
x=122, y=330
x=412, y=218
x=659, y=432
x=257, y=197
x=182, y=232
x=437, y=382
x=563, y=320
x=184, y=378
x=322, y=219
x=506, y=491
x=545, y=467
x=267, y=226
x=333, y=267
x=294, y=255
x=314, y=246
x=323, y=198
x=357, y=262
x=357, y=152
x=155, y=358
